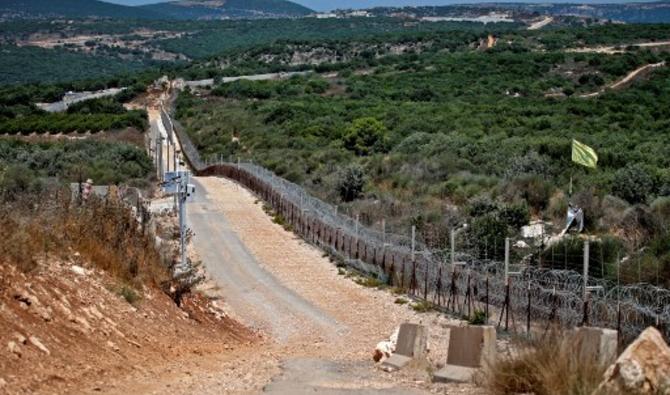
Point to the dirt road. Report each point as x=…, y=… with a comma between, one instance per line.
x=320, y=326
x=625, y=80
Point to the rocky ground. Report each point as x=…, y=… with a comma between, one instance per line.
x=69, y=328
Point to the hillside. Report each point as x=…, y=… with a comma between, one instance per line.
x=654, y=12
x=183, y=10
x=225, y=9
x=643, y=12
x=69, y=9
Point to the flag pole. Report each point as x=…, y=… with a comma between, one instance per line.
x=570, y=189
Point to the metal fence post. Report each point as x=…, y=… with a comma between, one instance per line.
x=453, y=247
x=585, y=318
x=507, y=261
x=413, y=240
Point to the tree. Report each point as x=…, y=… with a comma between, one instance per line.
x=632, y=183
x=350, y=182
x=366, y=136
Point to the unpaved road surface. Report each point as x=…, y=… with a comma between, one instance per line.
x=625, y=80
x=320, y=328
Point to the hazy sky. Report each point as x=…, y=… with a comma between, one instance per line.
x=324, y=5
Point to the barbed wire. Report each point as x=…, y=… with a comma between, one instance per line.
x=459, y=280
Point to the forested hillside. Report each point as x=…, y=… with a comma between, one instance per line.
x=445, y=133
x=70, y=9
x=228, y=9
x=183, y=10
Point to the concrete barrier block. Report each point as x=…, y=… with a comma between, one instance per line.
x=412, y=340
x=454, y=374
x=471, y=346
x=598, y=343
x=395, y=362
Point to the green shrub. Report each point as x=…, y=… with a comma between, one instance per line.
x=129, y=294
x=632, y=183
x=478, y=317
x=423, y=306
x=350, y=183
x=366, y=136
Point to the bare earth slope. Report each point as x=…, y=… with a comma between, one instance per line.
x=65, y=329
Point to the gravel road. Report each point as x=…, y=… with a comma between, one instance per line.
x=263, y=302
x=320, y=327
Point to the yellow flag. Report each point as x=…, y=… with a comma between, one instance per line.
x=583, y=154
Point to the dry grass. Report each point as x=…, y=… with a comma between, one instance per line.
x=547, y=366
x=104, y=233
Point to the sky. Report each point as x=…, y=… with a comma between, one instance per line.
x=325, y=5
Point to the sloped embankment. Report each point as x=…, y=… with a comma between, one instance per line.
x=65, y=328
x=83, y=303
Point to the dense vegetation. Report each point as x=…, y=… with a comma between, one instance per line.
x=415, y=122
x=28, y=167
x=437, y=138
x=234, y=46
x=19, y=115
x=32, y=65
x=229, y=9
x=70, y=9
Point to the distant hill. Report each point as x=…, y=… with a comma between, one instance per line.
x=183, y=9
x=70, y=9
x=653, y=12
x=223, y=9
x=648, y=12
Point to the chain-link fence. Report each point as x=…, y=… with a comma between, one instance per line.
x=460, y=279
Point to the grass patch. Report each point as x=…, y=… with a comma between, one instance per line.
x=423, y=306
x=370, y=282
x=129, y=294
x=478, y=317
x=401, y=301
x=398, y=291
x=104, y=233
x=548, y=366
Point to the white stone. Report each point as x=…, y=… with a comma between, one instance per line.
x=37, y=343
x=14, y=348
x=78, y=270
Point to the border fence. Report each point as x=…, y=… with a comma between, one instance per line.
x=515, y=297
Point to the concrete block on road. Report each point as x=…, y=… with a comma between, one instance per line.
x=396, y=362
x=412, y=341
x=471, y=346
x=454, y=374
x=598, y=343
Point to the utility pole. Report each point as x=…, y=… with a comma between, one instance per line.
x=182, y=195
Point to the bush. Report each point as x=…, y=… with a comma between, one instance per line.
x=350, y=183
x=488, y=229
x=549, y=366
x=558, y=206
x=661, y=210
x=478, y=317
x=590, y=203
x=533, y=189
x=105, y=233
x=18, y=180
x=366, y=136
x=129, y=294
x=632, y=183
x=515, y=215
x=613, y=209
x=530, y=164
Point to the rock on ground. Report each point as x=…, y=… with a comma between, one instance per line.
x=643, y=368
